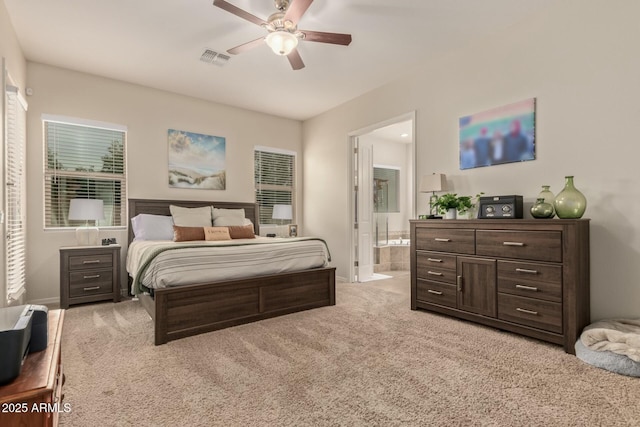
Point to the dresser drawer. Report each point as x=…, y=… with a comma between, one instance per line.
x=530, y=280
x=429, y=268
x=436, y=260
x=461, y=241
x=530, y=245
x=532, y=312
x=81, y=262
x=436, y=293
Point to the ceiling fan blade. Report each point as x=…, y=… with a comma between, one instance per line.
x=246, y=46
x=295, y=60
x=296, y=9
x=222, y=4
x=333, y=38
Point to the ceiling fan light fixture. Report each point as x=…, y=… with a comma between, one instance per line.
x=281, y=42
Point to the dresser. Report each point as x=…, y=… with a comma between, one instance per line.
x=530, y=277
x=89, y=274
x=35, y=397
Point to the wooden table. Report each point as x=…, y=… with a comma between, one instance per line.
x=35, y=397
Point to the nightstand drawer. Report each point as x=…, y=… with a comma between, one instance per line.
x=90, y=277
x=530, y=245
x=446, y=240
x=531, y=312
x=84, y=289
x=81, y=262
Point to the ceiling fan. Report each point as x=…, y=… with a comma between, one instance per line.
x=282, y=26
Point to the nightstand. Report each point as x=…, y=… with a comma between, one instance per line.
x=89, y=274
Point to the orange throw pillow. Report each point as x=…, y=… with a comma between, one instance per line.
x=187, y=234
x=242, y=231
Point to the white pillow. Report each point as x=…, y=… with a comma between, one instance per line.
x=191, y=217
x=230, y=221
x=152, y=227
x=236, y=213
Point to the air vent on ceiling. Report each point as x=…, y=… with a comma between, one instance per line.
x=212, y=57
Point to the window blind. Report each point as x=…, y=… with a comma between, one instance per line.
x=274, y=182
x=84, y=161
x=15, y=193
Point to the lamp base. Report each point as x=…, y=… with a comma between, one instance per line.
x=87, y=236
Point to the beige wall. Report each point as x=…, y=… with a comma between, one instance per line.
x=579, y=59
x=147, y=113
x=11, y=52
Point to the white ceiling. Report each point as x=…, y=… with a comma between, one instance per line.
x=158, y=43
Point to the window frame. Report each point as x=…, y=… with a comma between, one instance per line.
x=74, y=121
x=292, y=188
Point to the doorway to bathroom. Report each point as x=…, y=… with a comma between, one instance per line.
x=383, y=197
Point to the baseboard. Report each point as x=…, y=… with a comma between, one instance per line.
x=45, y=301
x=341, y=279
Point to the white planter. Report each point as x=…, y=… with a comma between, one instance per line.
x=450, y=214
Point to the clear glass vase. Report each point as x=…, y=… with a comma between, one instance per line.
x=570, y=203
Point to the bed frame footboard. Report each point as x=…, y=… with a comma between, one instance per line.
x=185, y=311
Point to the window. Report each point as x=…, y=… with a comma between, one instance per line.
x=15, y=193
x=84, y=160
x=275, y=179
x=386, y=182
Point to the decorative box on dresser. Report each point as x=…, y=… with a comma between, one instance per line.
x=89, y=274
x=39, y=383
x=530, y=277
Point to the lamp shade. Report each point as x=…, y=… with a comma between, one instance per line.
x=86, y=210
x=281, y=42
x=282, y=212
x=434, y=182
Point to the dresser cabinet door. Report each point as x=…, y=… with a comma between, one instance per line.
x=477, y=285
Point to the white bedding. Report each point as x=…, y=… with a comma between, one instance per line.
x=160, y=264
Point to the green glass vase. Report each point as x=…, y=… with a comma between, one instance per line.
x=570, y=203
x=542, y=209
x=546, y=194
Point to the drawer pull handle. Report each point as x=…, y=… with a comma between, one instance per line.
x=434, y=273
x=92, y=288
x=93, y=276
x=431, y=291
x=438, y=239
x=459, y=283
x=91, y=261
x=527, y=288
x=512, y=244
x=524, y=270
x=434, y=260
x=523, y=310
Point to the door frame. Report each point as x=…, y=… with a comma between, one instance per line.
x=353, y=137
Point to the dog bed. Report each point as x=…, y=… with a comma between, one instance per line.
x=613, y=345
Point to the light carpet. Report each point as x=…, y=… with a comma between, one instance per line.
x=368, y=361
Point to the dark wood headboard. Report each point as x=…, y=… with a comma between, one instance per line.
x=161, y=207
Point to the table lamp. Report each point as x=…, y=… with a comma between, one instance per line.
x=282, y=212
x=86, y=210
x=431, y=184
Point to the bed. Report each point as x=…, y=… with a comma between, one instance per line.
x=184, y=311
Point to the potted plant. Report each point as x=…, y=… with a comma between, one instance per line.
x=447, y=204
x=450, y=204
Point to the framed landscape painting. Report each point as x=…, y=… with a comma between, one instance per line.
x=501, y=135
x=196, y=160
